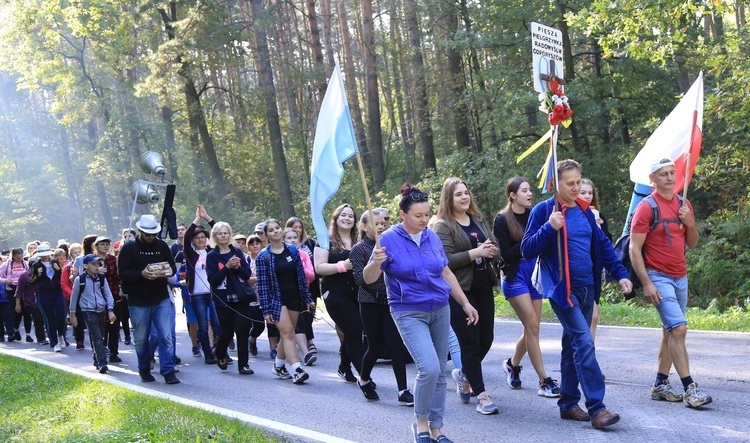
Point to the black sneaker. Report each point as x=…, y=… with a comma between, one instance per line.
x=29, y=339
x=230, y=361
x=79, y=346
x=231, y=345
x=211, y=360
x=281, y=372
x=44, y=342
x=300, y=376
x=253, y=348
x=113, y=358
x=171, y=379
x=177, y=360
x=406, y=398
x=247, y=370
x=103, y=369
x=347, y=375
x=17, y=336
x=222, y=363
x=368, y=391
x=146, y=375
x=127, y=341
x=310, y=358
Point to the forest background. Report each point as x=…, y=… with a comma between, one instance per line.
x=229, y=91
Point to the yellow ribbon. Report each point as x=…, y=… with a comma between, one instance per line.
x=545, y=169
x=536, y=145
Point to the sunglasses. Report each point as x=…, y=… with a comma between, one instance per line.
x=146, y=234
x=419, y=196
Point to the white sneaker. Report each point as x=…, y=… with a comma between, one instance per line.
x=57, y=348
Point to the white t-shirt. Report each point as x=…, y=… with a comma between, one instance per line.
x=200, y=285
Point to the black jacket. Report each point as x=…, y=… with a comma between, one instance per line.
x=133, y=259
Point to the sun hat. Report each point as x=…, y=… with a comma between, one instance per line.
x=148, y=224
x=44, y=251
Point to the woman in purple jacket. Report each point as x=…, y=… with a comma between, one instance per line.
x=418, y=283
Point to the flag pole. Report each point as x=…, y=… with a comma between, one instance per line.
x=367, y=197
x=553, y=146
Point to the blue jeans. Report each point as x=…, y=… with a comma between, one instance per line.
x=52, y=305
x=203, y=305
x=578, y=363
x=455, y=349
x=161, y=315
x=425, y=335
x=673, y=303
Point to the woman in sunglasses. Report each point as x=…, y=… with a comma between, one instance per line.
x=418, y=283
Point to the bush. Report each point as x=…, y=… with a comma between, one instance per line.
x=719, y=268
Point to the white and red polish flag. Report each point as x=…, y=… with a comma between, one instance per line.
x=678, y=138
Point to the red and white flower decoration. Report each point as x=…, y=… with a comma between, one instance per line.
x=554, y=103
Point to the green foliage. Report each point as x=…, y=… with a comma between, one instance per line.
x=45, y=404
x=719, y=268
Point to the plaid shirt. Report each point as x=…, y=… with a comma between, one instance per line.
x=269, y=294
x=110, y=261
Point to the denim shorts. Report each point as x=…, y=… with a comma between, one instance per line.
x=189, y=313
x=673, y=303
x=522, y=283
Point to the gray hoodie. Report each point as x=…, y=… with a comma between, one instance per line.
x=95, y=297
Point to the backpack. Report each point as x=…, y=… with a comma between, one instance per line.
x=622, y=245
x=82, y=286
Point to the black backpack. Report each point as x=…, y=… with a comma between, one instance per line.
x=622, y=245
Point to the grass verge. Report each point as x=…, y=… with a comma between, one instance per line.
x=41, y=404
x=633, y=314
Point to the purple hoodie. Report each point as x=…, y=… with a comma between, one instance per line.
x=413, y=274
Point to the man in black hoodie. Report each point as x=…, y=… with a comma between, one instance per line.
x=148, y=296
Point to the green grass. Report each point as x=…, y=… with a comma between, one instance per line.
x=634, y=314
x=41, y=404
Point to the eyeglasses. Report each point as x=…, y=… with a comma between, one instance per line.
x=419, y=196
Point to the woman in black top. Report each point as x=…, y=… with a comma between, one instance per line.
x=46, y=273
x=376, y=315
x=225, y=265
x=517, y=286
x=340, y=290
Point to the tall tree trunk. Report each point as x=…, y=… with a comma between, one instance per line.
x=351, y=84
x=461, y=117
x=420, y=100
x=166, y=118
x=398, y=92
x=475, y=71
x=317, y=51
x=70, y=181
x=265, y=77
x=325, y=14
x=196, y=118
x=101, y=192
x=374, y=131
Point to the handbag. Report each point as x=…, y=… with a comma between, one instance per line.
x=245, y=292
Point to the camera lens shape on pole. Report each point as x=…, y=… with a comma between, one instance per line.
x=152, y=162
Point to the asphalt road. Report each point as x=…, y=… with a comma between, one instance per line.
x=327, y=409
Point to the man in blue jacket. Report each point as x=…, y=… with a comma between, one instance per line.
x=563, y=234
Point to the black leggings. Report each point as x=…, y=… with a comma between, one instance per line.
x=233, y=319
x=344, y=310
x=258, y=324
x=475, y=341
x=382, y=333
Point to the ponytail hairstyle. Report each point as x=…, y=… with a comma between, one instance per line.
x=514, y=228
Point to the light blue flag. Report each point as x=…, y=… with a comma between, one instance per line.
x=335, y=143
